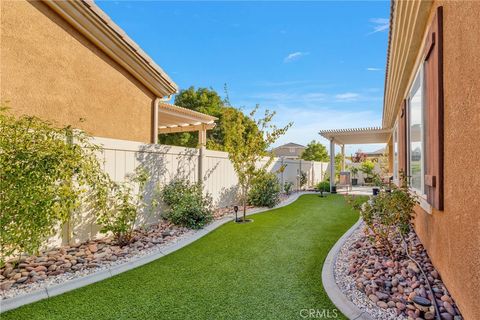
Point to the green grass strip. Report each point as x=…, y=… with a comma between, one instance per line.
x=268, y=269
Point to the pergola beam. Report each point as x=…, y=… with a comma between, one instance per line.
x=173, y=119
x=357, y=135
x=184, y=113
x=187, y=128
x=352, y=136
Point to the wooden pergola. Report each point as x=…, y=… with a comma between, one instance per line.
x=342, y=137
x=170, y=118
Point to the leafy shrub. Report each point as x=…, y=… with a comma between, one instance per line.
x=356, y=201
x=323, y=186
x=303, y=178
x=188, y=206
x=46, y=173
x=287, y=187
x=354, y=170
x=377, y=180
x=367, y=167
x=389, y=214
x=124, y=205
x=265, y=191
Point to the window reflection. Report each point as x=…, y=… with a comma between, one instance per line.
x=416, y=138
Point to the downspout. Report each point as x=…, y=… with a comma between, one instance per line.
x=202, y=141
x=156, y=102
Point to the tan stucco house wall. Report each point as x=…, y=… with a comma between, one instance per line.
x=50, y=70
x=452, y=236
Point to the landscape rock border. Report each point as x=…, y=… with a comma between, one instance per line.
x=365, y=282
x=110, y=271
x=339, y=299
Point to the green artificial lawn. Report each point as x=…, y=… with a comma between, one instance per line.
x=268, y=269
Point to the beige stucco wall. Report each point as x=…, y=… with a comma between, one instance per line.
x=50, y=70
x=452, y=236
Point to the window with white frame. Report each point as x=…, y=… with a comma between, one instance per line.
x=395, y=152
x=416, y=148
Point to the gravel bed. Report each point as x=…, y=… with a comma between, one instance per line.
x=59, y=265
x=65, y=263
x=98, y=256
x=391, y=289
x=346, y=282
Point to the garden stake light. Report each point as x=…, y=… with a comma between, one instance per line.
x=235, y=208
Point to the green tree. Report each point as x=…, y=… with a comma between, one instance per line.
x=202, y=100
x=46, y=174
x=208, y=101
x=367, y=167
x=247, y=141
x=315, y=151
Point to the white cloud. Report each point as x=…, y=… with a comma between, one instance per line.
x=310, y=99
x=308, y=122
x=295, y=56
x=374, y=69
x=313, y=111
x=347, y=96
x=380, y=24
x=282, y=98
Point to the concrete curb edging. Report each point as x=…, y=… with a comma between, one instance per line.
x=102, y=274
x=339, y=299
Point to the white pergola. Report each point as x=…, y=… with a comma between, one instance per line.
x=342, y=137
x=170, y=118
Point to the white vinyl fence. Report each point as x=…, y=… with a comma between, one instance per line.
x=164, y=163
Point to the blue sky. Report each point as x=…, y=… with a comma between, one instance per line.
x=318, y=64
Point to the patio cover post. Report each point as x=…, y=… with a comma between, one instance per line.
x=343, y=157
x=332, y=165
x=202, y=141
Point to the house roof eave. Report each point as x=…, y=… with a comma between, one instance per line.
x=86, y=17
x=408, y=21
x=357, y=135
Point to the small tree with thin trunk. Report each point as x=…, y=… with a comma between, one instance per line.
x=247, y=141
x=315, y=151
